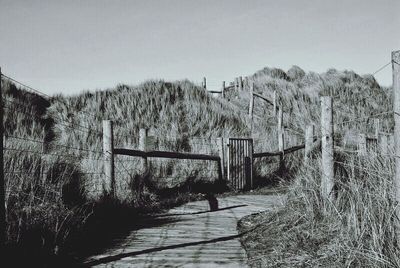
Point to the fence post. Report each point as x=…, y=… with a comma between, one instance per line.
x=376, y=128
x=327, y=181
x=204, y=84
x=274, y=103
x=383, y=144
x=396, y=89
x=251, y=106
x=309, y=140
x=362, y=144
x=281, y=135
x=236, y=83
x=2, y=184
x=143, y=133
x=108, y=153
x=223, y=89
x=240, y=83
x=221, y=153
x=228, y=159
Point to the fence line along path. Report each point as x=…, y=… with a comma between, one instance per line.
x=189, y=236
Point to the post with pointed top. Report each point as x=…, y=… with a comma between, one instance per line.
x=108, y=153
x=2, y=184
x=396, y=104
x=281, y=136
x=327, y=181
x=309, y=140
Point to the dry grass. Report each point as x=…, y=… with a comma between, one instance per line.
x=54, y=191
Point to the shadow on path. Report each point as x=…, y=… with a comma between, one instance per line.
x=199, y=212
x=150, y=250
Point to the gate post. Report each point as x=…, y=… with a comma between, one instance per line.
x=142, y=147
x=108, y=153
x=222, y=158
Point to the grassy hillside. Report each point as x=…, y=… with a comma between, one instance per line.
x=356, y=230
x=55, y=170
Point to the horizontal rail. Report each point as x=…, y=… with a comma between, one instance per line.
x=163, y=154
x=214, y=91
x=276, y=153
x=262, y=97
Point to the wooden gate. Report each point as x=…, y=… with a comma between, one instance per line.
x=240, y=163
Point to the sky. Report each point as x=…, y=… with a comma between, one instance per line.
x=70, y=46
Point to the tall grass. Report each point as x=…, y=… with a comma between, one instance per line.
x=356, y=230
x=55, y=190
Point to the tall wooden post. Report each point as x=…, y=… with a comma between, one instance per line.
x=240, y=83
x=362, y=144
x=327, y=180
x=221, y=152
x=204, y=84
x=143, y=133
x=396, y=104
x=281, y=135
x=2, y=183
x=108, y=153
x=251, y=105
x=223, y=89
x=309, y=140
x=274, y=103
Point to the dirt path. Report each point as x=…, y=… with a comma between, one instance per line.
x=189, y=236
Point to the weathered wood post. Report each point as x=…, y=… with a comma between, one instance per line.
x=281, y=136
x=228, y=159
x=396, y=104
x=204, y=84
x=327, y=180
x=2, y=183
x=362, y=144
x=223, y=89
x=309, y=140
x=240, y=83
x=236, y=83
x=251, y=106
x=383, y=144
x=108, y=153
x=376, y=128
x=274, y=103
x=221, y=152
x=143, y=133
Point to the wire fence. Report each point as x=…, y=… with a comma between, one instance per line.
x=92, y=161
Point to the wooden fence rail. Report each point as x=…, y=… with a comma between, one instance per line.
x=280, y=153
x=165, y=154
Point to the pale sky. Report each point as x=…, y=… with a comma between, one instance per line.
x=69, y=46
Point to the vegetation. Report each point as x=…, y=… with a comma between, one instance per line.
x=55, y=187
x=356, y=230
